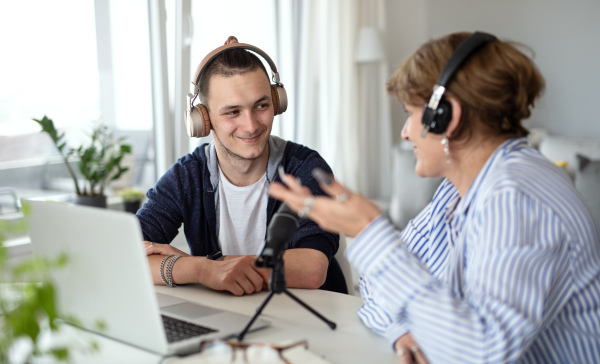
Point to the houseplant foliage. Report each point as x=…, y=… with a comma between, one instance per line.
x=132, y=198
x=99, y=163
x=131, y=195
x=28, y=306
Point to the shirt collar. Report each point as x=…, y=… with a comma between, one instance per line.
x=492, y=162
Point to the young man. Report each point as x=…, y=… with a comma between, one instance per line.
x=219, y=192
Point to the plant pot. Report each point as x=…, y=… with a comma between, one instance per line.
x=91, y=200
x=132, y=206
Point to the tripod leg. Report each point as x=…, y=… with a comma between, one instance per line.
x=331, y=324
x=241, y=335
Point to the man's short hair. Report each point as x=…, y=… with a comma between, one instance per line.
x=228, y=63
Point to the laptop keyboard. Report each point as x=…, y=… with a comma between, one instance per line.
x=177, y=330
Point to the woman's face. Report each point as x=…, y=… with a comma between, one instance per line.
x=429, y=151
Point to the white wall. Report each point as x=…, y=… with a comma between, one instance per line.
x=563, y=35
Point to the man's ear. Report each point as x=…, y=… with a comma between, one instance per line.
x=456, y=115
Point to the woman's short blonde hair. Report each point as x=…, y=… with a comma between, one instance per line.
x=496, y=86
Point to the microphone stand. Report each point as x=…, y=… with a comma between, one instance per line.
x=277, y=285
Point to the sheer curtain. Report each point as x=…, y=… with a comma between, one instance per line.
x=374, y=113
x=340, y=107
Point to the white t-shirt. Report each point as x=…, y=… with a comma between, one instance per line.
x=242, y=216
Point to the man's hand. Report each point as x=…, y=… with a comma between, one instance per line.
x=162, y=249
x=237, y=275
x=304, y=268
x=408, y=351
x=265, y=273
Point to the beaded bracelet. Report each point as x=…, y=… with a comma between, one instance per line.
x=162, y=265
x=170, y=270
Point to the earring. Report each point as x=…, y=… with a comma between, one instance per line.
x=446, y=145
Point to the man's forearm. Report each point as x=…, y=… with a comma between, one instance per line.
x=305, y=268
x=186, y=270
x=237, y=275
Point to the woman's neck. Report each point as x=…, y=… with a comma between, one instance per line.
x=468, y=158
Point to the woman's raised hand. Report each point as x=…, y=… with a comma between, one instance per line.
x=343, y=212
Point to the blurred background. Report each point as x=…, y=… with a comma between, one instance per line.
x=129, y=64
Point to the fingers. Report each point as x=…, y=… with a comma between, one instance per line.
x=245, y=285
x=293, y=198
x=149, y=247
x=408, y=351
x=251, y=281
x=404, y=355
x=330, y=185
x=418, y=355
x=411, y=355
x=147, y=244
x=294, y=184
x=239, y=276
x=326, y=181
x=265, y=273
x=162, y=249
x=345, y=213
x=299, y=197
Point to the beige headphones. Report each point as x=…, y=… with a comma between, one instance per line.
x=197, y=121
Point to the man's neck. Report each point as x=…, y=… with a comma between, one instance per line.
x=242, y=172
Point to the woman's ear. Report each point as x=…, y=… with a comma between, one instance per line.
x=456, y=115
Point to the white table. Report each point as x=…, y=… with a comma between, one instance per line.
x=351, y=342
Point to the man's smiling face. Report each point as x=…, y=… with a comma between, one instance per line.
x=241, y=113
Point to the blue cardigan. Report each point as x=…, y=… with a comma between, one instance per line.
x=188, y=193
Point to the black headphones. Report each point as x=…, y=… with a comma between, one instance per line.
x=438, y=112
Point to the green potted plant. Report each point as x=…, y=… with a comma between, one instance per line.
x=132, y=199
x=99, y=162
x=28, y=304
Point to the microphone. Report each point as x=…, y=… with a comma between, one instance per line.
x=281, y=230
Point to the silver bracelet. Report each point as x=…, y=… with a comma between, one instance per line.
x=169, y=272
x=162, y=265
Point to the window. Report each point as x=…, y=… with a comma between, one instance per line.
x=49, y=68
x=77, y=61
x=77, y=66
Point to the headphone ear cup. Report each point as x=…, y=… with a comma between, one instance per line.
x=279, y=97
x=437, y=120
x=442, y=117
x=198, y=122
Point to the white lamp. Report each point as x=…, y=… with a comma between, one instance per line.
x=369, y=48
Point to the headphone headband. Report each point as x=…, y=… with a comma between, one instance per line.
x=460, y=55
x=212, y=55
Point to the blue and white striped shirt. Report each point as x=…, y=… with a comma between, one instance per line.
x=509, y=273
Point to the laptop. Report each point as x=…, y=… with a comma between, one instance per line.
x=107, y=278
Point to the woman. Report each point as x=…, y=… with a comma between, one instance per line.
x=503, y=265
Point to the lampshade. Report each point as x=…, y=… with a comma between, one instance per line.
x=369, y=48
